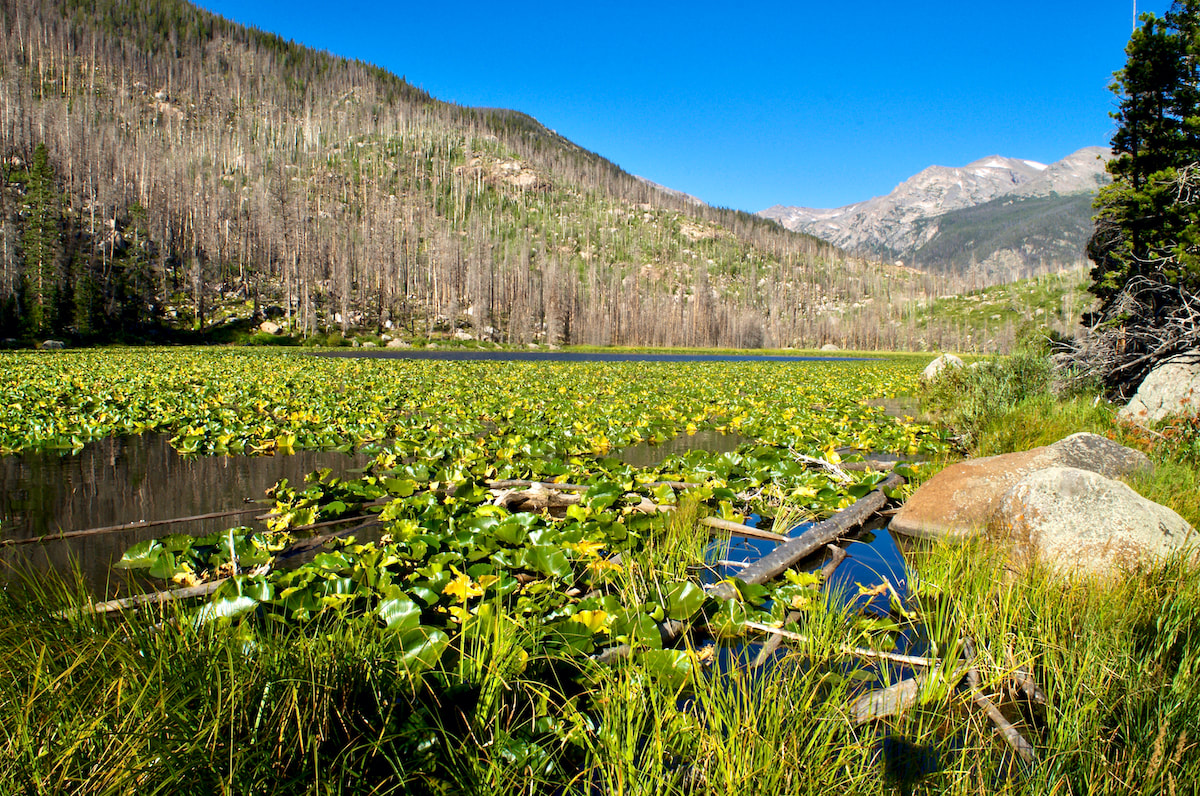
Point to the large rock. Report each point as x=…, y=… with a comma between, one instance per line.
x=270, y=327
x=961, y=499
x=830, y=347
x=1078, y=521
x=1173, y=387
x=52, y=345
x=934, y=368
x=397, y=343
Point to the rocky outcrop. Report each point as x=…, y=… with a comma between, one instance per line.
x=961, y=499
x=1059, y=503
x=998, y=218
x=1078, y=521
x=1172, y=388
x=934, y=368
x=270, y=327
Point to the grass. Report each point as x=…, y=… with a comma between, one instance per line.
x=135, y=706
x=150, y=703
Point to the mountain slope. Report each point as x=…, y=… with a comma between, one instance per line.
x=163, y=167
x=197, y=163
x=922, y=221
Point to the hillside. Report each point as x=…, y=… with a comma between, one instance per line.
x=992, y=221
x=193, y=168
x=162, y=169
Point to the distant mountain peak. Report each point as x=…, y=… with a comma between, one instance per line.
x=901, y=222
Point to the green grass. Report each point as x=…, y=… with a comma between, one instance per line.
x=153, y=703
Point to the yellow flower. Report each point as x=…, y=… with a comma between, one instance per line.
x=595, y=621
x=601, y=565
x=587, y=548
x=462, y=588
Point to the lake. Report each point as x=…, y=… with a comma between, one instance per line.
x=120, y=480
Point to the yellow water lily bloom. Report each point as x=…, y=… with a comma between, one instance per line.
x=587, y=548
x=602, y=565
x=462, y=588
x=596, y=621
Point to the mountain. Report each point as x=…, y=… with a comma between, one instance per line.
x=1002, y=218
x=163, y=169
x=160, y=165
x=687, y=197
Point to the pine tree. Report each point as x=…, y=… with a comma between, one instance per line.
x=1146, y=245
x=1144, y=223
x=42, y=243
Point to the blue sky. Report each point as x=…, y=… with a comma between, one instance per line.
x=815, y=104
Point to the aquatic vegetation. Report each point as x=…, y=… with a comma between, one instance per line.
x=454, y=587
x=511, y=414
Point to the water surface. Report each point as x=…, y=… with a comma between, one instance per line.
x=121, y=480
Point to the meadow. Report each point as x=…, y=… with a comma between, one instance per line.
x=466, y=643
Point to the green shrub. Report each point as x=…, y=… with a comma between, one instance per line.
x=968, y=399
x=263, y=338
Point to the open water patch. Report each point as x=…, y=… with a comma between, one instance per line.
x=120, y=480
x=650, y=454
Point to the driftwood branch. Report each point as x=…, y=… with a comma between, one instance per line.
x=128, y=526
x=739, y=529
x=1004, y=727
x=846, y=649
x=799, y=547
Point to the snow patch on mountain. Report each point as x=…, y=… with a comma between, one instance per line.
x=905, y=219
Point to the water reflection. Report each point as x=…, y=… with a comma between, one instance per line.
x=126, y=479
x=649, y=454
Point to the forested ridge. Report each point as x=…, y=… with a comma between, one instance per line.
x=165, y=166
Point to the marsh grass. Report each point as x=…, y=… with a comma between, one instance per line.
x=151, y=703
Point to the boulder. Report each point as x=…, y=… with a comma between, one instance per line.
x=1173, y=387
x=397, y=343
x=270, y=327
x=369, y=344
x=460, y=334
x=934, y=368
x=962, y=498
x=52, y=345
x=830, y=347
x=1078, y=521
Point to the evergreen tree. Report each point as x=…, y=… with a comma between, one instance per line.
x=42, y=244
x=1146, y=245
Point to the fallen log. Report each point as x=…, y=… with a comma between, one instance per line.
x=313, y=542
x=799, y=547
x=898, y=697
x=153, y=598
x=836, y=556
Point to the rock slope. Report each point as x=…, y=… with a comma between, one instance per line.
x=909, y=219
